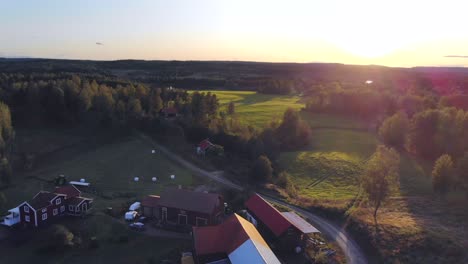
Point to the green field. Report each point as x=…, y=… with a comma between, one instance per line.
x=110, y=169
x=257, y=109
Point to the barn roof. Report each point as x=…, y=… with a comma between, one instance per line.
x=68, y=190
x=268, y=214
x=76, y=200
x=150, y=201
x=301, y=224
x=190, y=200
x=237, y=238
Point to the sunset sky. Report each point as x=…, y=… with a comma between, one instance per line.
x=394, y=33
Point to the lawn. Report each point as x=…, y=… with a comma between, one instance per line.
x=116, y=244
x=257, y=109
x=110, y=168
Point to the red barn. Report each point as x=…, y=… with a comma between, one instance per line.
x=287, y=229
x=190, y=208
x=45, y=207
x=234, y=241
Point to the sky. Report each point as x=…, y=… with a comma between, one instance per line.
x=402, y=33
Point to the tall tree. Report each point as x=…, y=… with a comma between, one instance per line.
x=380, y=176
x=394, y=129
x=442, y=174
x=231, y=108
x=462, y=171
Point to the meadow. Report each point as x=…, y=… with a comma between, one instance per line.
x=257, y=110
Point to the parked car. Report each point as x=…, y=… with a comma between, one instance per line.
x=137, y=226
x=131, y=215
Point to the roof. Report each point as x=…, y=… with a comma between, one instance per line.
x=41, y=200
x=150, y=201
x=68, y=190
x=190, y=200
x=301, y=224
x=204, y=144
x=268, y=214
x=236, y=237
x=76, y=200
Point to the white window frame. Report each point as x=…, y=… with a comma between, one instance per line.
x=62, y=208
x=55, y=211
x=44, y=210
x=27, y=218
x=26, y=209
x=58, y=201
x=44, y=216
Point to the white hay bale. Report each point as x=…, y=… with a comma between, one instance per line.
x=172, y=177
x=82, y=180
x=154, y=179
x=136, y=179
x=153, y=151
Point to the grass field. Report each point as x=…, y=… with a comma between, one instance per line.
x=257, y=109
x=110, y=169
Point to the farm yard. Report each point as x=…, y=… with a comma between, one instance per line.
x=110, y=167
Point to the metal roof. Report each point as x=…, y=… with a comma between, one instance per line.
x=301, y=224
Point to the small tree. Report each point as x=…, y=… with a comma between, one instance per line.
x=381, y=176
x=261, y=170
x=462, y=171
x=5, y=171
x=442, y=174
x=394, y=129
x=231, y=108
x=60, y=236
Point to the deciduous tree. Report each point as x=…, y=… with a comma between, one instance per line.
x=442, y=174
x=380, y=176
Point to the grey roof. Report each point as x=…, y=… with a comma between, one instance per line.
x=301, y=224
x=190, y=200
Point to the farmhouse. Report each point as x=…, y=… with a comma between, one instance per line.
x=205, y=147
x=234, y=241
x=190, y=208
x=45, y=207
x=287, y=229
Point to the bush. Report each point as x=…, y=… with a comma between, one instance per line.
x=261, y=170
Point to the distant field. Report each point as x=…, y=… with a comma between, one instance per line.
x=257, y=109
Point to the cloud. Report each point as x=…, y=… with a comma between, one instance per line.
x=456, y=56
x=100, y=43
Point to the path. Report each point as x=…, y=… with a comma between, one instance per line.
x=350, y=248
